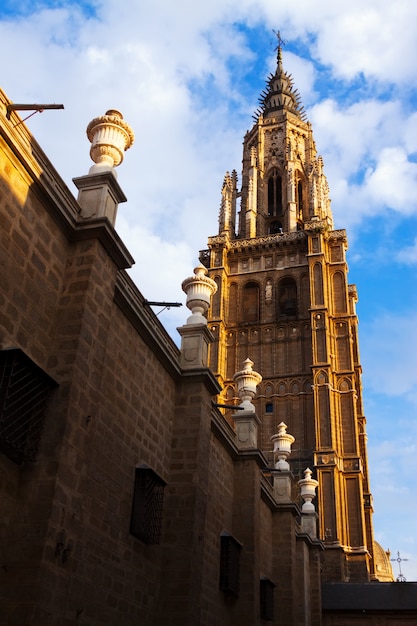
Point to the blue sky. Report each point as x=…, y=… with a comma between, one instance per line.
x=187, y=76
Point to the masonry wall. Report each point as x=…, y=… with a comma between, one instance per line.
x=111, y=410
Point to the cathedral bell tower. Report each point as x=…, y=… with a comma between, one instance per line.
x=283, y=300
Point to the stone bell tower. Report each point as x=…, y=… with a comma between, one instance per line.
x=284, y=301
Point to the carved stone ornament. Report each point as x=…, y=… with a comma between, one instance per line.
x=308, y=491
x=110, y=137
x=282, y=447
x=199, y=289
x=247, y=381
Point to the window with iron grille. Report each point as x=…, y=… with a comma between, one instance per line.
x=147, y=506
x=24, y=392
x=266, y=599
x=230, y=550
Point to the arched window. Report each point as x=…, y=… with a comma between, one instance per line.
x=274, y=193
x=250, y=302
x=287, y=297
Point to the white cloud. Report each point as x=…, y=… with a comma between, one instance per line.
x=408, y=255
x=393, y=182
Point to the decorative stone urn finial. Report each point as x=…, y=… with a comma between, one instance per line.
x=308, y=491
x=247, y=381
x=110, y=136
x=282, y=447
x=199, y=288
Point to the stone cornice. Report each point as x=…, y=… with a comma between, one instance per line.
x=255, y=242
x=203, y=375
x=128, y=297
x=101, y=229
x=224, y=432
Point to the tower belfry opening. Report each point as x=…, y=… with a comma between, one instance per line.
x=284, y=300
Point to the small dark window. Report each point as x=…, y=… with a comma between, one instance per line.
x=275, y=228
x=230, y=550
x=287, y=297
x=250, y=302
x=267, y=599
x=24, y=393
x=147, y=506
x=269, y=407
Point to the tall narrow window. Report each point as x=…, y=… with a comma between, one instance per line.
x=266, y=599
x=287, y=297
x=147, y=505
x=274, y=193
x=300, y=206
x=250, y=302
x=230, y=549
x=24, y=392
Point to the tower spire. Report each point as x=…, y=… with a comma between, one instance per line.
x=283, y=296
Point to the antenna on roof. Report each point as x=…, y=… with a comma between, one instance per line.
x=36, y=108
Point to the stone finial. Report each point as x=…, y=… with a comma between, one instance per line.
x=247, y=381
x=308, y=491
x=110, y=137
x=282, y=447
x=199, y=289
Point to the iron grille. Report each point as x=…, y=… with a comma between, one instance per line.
x=147, y=506
x=230, y=550
x=24, y=391
x=266, y=599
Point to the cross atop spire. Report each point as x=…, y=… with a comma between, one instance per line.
x=281, y=42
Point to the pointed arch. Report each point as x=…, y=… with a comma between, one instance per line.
x=232, y=304
x=216, y=298
x=274, y=193
x=323, y=410
x=347, y=416
x=339, y=293
x=318, y=284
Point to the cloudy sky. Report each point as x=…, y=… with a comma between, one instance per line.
x=186, y=76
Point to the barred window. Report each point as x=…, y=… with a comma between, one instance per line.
x=266, y=599
x=230, y=550
x=24, y=393
x=147, y=505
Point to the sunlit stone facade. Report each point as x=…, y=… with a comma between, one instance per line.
x=284, y=300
